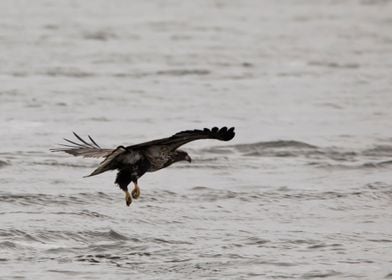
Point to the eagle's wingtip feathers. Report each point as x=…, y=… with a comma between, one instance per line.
x=223, y=133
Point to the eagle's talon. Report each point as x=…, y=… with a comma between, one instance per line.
x=128, y=198
x=136, y=192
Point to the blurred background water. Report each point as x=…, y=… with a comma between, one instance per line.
x=303, y=191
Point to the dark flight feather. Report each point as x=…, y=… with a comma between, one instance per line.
x=83, y=149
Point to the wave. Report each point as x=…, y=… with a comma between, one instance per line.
x=49, y=199
x=284, y=148
x=378, y=151
x=99, y=35
x=263, y=148
x=335, y=64
x=183, y=72
x=68, y=73
x=3, y=163
x=19, y=237
x=65, y=164
x=320, y=274
x=8, y=245
x=373, y=157
x=374, y=191
x=352, y=165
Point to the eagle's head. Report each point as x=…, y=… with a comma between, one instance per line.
x=181, y=155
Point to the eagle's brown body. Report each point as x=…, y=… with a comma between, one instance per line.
x=133, y=161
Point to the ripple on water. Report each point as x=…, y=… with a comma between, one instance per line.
x=8, y=245
x=47, y=236
x=4, y=163
x=54, y=200
x=321, y=274
x=323, y=157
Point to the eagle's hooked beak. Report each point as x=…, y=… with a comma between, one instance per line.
x=188, y=158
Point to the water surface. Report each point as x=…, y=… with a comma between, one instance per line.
x=303, y=191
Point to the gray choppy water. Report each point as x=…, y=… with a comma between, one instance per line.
x=304, y=191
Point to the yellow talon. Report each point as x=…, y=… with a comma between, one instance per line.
x=128, y=198
x=136, y=192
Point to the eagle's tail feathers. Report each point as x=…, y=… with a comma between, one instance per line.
x=109, y=163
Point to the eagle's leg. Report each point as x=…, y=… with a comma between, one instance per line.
x=128, y=198
x=123, y=179
x=136, y=191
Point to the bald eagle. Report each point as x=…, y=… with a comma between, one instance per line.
x=132, y=162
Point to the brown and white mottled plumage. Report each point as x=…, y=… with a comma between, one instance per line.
x=133, y=161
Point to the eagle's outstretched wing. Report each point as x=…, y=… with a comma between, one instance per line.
x=183, y=137
x=83, y=149
x=153, y=150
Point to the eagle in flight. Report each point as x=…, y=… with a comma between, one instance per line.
x=133, y=161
